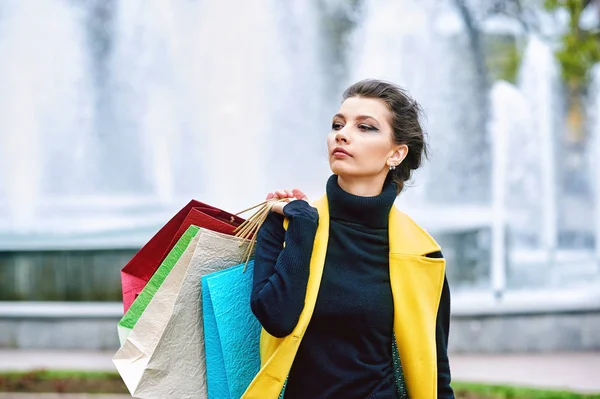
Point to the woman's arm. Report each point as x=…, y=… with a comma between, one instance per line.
x=441, y=337
x=281, y=274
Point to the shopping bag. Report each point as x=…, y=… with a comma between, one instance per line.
x=232, y=333
x=131, y=317
x=138, y=271
x=164, y=356
x=216, y=220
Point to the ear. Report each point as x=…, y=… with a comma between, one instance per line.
x=400, y=152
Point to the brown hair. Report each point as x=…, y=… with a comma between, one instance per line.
x=406, y=122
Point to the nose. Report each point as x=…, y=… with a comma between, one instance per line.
x=341, y=136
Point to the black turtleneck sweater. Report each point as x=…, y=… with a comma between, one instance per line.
x=346, y=351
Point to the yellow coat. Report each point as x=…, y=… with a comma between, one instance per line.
x=416, y=282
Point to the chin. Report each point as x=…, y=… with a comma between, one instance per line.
x=348, y=172
x=340, y=170
x=335, y=169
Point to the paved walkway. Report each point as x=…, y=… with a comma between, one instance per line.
x=578, y=372
x=11, y=395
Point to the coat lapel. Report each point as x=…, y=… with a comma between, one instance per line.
x=416, y=286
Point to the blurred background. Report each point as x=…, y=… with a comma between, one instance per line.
x=115, y=113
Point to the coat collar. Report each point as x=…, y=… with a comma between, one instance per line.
x=415, y=240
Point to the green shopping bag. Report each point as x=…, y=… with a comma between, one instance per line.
x=138, y=306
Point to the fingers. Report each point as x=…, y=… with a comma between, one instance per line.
x=279, y=194
x=299, y=194
x=285, y=193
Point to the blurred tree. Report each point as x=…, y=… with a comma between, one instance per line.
x=580, y=47
x=579, y=51
x=338, y=19
x=475, y=42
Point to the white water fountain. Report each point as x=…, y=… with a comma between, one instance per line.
x=593, y=157
x=113, y=114
x=509, y=118
x=187, y=100
x=535, y=169
x=45, y=108
x=190, y=100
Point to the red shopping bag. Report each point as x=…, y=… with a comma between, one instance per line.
x=142, y=266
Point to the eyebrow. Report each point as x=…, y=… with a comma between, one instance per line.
x=359, y=117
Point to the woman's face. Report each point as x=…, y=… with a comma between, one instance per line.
x=361, y=143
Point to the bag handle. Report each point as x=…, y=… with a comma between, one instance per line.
x=248, y=229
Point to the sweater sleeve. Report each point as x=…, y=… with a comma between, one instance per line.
x=281, y=273
x=441, y=337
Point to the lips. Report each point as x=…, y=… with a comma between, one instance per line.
x=340, y=151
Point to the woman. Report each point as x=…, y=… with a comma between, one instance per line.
x=345, y=289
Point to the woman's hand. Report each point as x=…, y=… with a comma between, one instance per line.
x=287, y=196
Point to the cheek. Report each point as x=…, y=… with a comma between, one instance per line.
x=376, y=150
x=330, y=141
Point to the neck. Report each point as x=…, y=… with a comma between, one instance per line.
x=367, y=186
x=371, y=211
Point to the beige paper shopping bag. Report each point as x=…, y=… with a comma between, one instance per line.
x=163, y=356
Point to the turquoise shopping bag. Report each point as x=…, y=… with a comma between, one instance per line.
x=231, y=332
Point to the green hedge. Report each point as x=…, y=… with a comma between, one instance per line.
x=110, y=382
x=62, y=382
x=466, y=390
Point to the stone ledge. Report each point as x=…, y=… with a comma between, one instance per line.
x=585, y=299
x=539, y=333
x=60, y=310
x=52, y=333
x=93, y=326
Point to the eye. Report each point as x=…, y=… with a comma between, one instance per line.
x=336, y=126
x=367, y=128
